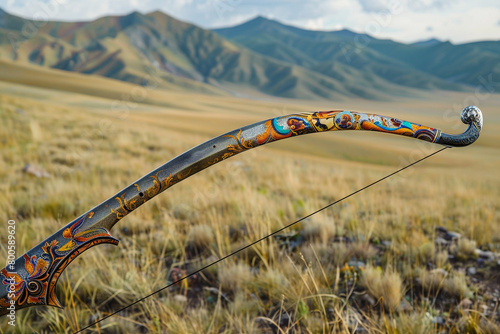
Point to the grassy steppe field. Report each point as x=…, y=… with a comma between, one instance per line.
x=374, y=262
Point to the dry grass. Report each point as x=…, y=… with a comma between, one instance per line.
x=200, y=237
x=320, y=228
x=235, y=277
x=92, y=152
x=456, y=286
x=464, y=249
x=385, y=286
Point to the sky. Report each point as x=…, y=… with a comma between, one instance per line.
x=458, y=21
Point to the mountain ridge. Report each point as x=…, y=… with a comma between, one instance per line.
x=260, y=55
x=434, y=58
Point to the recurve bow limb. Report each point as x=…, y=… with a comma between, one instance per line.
x=32, y=279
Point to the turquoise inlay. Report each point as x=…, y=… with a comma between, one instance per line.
x=284, y=129
x=404, y=125
x=407, y=125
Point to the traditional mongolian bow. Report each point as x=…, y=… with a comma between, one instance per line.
x=31, y=279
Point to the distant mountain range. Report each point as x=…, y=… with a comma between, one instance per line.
x=259, y=56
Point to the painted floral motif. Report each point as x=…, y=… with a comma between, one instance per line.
x=241, y=145
x=33, y=289
x=30, y=290
x=345, y=120
x=292, y=125
x=276, y=129
x=78, y=238
x=392, y=125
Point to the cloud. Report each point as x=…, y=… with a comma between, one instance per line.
x=460, y=23
x=371, y=6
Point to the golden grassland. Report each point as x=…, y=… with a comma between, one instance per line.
x=388, y=277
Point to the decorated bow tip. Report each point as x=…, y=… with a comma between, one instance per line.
x=31, y=279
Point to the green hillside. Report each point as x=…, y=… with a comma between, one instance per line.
x=431, y=64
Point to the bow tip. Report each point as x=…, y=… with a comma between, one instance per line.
x=472, y=114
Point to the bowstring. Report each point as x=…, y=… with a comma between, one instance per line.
x=261, y=239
